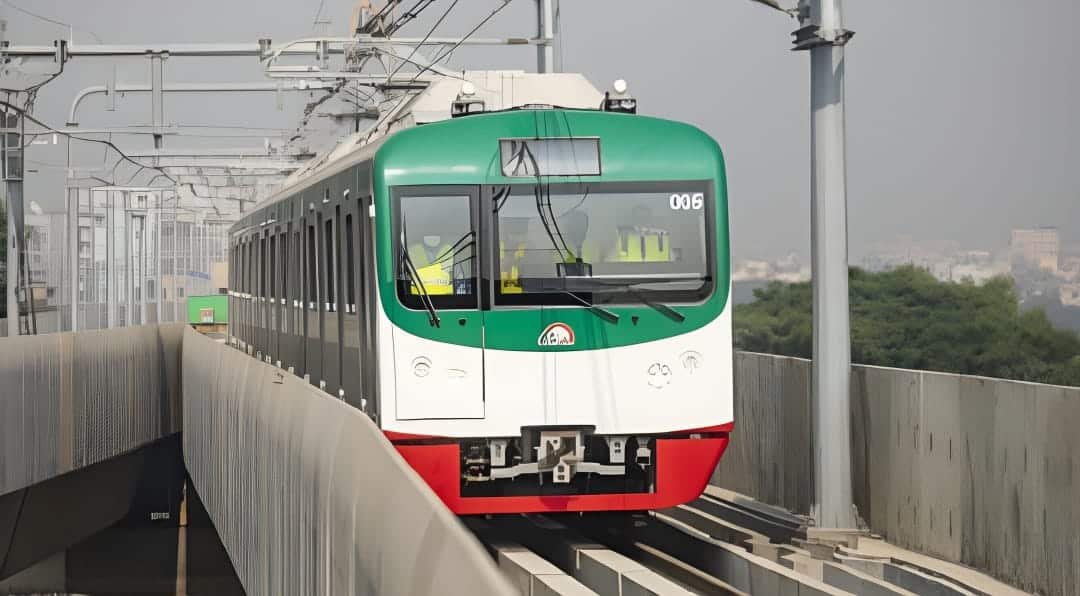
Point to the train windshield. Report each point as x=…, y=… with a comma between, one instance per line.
x=605, y=243
x=436, y=249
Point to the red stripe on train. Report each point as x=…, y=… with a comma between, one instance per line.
x=684, y=467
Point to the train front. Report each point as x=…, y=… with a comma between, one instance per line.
x=555, y=328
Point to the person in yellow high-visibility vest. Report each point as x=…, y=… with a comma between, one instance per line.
x=510, y=268
x=434, y=262
x=641, y=244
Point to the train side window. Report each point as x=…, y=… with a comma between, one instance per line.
x=262, y=267
x=328, y=265
x=297, y=280
x=273, y=267
x=250, y=267
x=350, y=287
x=312, y=285
x=240, y=266
x=437, y=233
x=284, y=279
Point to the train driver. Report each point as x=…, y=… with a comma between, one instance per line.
x=639, y=242
x=434, y=260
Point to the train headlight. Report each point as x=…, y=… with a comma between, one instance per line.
x=466, y=102
x=619, y=100
x=421, y=366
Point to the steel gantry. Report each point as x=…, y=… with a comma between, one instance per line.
x=340, y=67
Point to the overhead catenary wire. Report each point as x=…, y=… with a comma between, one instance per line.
x=483, y=22
x=408, y=16
x=416, y=47
x=318, y=13
x=421, y=71
x=107, y=143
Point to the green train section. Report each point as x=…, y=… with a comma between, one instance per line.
x=465, y=151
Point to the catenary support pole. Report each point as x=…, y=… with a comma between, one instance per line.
x=11, y=195
x=822, y=33
x=545, y=52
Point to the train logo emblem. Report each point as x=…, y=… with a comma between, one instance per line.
x=556, y=334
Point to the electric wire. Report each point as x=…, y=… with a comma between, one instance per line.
x=483, y=22
x=318, y=13
x=439, y=57
x=107, y=143
x=48, y=20
x=416, y=48
x=408, y=16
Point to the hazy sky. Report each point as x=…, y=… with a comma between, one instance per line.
x=962, y=115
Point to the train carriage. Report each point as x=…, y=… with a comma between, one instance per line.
x=532, y=303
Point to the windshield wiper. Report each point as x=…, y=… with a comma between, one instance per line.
x=659, y=307
x=599, y=311
x=414, y=278
x=630, y=289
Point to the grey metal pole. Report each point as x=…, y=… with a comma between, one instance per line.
x=545, y=52
x=11, y=195
x=823, y=34
x=11, y=182
x=73, y=247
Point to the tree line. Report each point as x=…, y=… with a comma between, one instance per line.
x=906, y=318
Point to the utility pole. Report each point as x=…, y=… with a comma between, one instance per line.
x=822, y=33
x=545, y=52
x=11, y=168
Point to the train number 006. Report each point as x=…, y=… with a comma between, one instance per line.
x=686, y=201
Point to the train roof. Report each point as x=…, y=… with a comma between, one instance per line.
x=499, y=90
x=572, y=110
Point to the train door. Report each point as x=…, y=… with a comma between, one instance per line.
x=283, y=293
x=249, y=291
x=439, y=370
x=313, y=307
x=295, y=296
x=351, y=295
x=260, y=292
x=368, y=306
x=330, y=279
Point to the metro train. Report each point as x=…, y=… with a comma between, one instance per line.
x=530, y=297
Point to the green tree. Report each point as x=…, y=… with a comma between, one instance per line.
x=908, y=319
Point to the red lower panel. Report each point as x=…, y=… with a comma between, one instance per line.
x=683, y=469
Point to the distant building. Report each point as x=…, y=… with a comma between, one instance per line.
x=141, y=253
x=1037, y=248
x=788, y=269
x=1070, y=294
x=751, y=270
x=44, y=254
x=1069, y=268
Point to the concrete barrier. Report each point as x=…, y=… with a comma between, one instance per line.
x=71, y=400
x=985, y=472
x=307, y=495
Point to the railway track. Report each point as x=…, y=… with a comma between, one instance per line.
x=722, y=543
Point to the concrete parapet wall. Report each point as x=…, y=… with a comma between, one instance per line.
x=306, y=493
x=985, y=472
x=70, y=400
